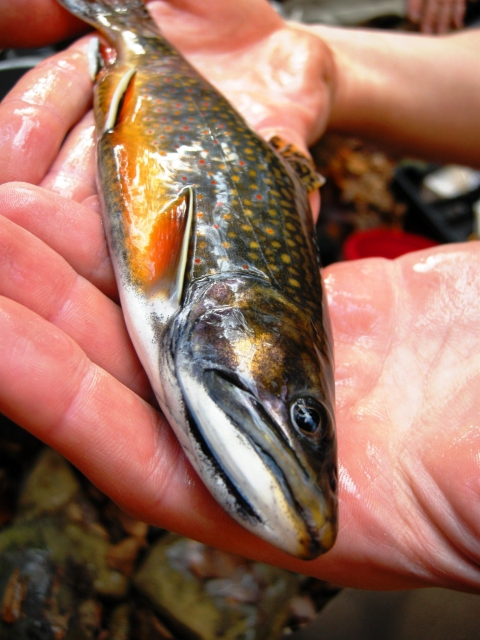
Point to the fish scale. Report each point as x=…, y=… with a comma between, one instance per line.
x=214, y=252
x=228, y=178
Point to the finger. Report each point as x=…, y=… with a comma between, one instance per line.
x=47, y=22
x=429, y=18
x=72, y=174
x=414, y=10
x=72, y=230
x=459, y=13
x=38, y=113
x=121, y=443
x=445, y=16
x=48, y=385
x=35, y=276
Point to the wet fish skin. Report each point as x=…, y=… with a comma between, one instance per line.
x=213, y=246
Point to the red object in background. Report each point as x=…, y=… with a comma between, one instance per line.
x=383, y=243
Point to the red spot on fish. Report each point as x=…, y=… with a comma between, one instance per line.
x=242, y=163
x=219, y=204
x=186, y=127
x=168, y=79
x=214, y=182
x=215, y=142
x=244, y=266
x=215, y=226
x=158, y=101
x=221, y=126
x=197, y=261
x=201, y=162
x=184, y=177
x=200, y=214
x=179, y=104
x=259, y=197
x=182, y=137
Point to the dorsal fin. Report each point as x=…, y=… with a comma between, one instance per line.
x=301, y=164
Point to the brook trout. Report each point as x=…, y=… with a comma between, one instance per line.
x=213, y=246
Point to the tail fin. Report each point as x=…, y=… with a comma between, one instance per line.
x=116, y=15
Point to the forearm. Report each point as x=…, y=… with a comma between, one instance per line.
x=414, y=94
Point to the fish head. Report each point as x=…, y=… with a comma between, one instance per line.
x=258, y=386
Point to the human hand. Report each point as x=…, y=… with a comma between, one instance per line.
x=408, y=429
x=437, y=16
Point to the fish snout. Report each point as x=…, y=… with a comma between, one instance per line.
x=265, y=486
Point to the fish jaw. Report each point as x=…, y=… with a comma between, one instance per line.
x=260, y=493
x=241, y=441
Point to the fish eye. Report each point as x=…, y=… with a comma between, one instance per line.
x=308, y=415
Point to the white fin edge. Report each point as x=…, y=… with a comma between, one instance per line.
x=182, y=265
x=117, y=98
x=93, y=55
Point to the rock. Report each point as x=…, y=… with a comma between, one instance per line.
x=50, y=486
x=250, y=603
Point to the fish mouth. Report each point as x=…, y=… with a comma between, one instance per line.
x=270, y=491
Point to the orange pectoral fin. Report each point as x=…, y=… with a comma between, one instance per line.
x=167, y=250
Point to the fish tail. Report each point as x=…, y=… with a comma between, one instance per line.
x=113, y=15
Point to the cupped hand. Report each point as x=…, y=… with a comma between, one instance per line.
x=406, y=337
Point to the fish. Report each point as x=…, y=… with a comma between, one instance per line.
x=213, y=245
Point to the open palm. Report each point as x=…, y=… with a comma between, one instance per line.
x=406, y=332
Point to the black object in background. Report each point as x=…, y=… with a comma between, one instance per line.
x=443, y=219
